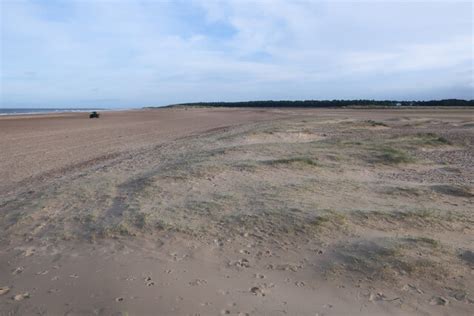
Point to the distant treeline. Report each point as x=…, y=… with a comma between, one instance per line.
x=328, y=103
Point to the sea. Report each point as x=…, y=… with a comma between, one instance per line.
x=29, y=111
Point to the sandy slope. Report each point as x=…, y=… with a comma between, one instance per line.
x=258, y=212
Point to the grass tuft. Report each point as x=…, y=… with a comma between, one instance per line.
x=425, y=241
x=140, y=220
x=294, y=160
x=390, y=156
x=453, y=190
x=388, y=258
x=376, y=123
x=431, y=139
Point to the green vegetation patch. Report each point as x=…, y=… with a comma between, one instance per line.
x=413, y=141
x=389, y=156
x=111, y=231
x=468, y=257
x=376, y=123
x=388, y=258
x=406, y=191
x=413, y=216
x=373, y=151
x=423, y=241
x=453, y=190
x=285, y=222
x=293, y=160
x=418, y=218
x=431, y=139
x=141, y=220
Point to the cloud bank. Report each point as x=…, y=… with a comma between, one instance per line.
x=139, y=53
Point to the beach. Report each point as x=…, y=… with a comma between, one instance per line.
x=266, y=211
x=35, y=145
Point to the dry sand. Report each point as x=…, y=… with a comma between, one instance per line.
x=238, y=211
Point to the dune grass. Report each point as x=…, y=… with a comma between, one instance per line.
x=453, y=190
x=294, y=160
x=389, y=156
x=376, y=123
x=387, y=258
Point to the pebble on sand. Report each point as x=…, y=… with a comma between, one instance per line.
x=4, y=290
x=439, y=300
x=255, y=290
x=21, y=297
x=18, y=270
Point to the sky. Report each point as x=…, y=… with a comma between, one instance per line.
x=121, y=53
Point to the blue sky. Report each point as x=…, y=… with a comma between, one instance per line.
x=140, y=53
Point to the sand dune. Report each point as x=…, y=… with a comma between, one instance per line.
x=238, y=211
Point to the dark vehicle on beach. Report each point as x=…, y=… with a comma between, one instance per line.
x=94, y=115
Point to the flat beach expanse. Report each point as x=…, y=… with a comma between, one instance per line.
x=33, y=145
x=206, y=211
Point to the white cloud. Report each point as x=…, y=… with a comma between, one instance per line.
x=155, y=52
x=415, y=57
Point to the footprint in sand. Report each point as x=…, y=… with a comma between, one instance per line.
x=261, y=289
x=149, y=282
x=439, y=300
x=4, y=290
x=18, y=270
x=197, y=282
x=178, y=258
x=269, y=266
x=52, y=291
x=244, y=251
x=218, y=242
x=257, y=291
x=242, y=263
x=373, y=297
x=266, y=253
x=42, y=272
x=289, y=267
x=29, y=252
x=412, y=288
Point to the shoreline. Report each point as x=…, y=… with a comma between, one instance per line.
x=180, y=107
